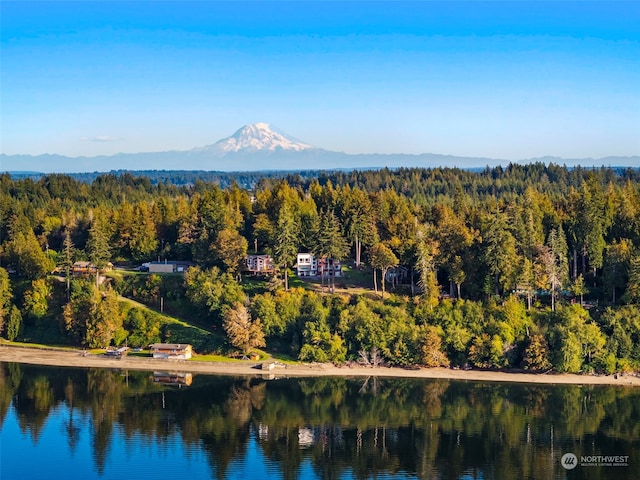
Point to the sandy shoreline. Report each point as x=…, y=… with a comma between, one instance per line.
x=63, y=358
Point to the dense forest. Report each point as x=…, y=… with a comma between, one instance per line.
x=525, y=266
x=185, y=177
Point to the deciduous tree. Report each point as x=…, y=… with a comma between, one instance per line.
x=243, y=333
x=359, y=220
x=536, y=354
x=36, y=298
x=231, y=248
x=382, y=258
x=430, y=339
x=24, y=251
x=212, y=292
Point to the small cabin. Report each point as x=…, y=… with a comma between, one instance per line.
x=177, y=351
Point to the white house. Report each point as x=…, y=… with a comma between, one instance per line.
x=310, y=266
x=307, y=265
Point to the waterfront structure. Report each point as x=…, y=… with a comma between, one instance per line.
x=171, y=351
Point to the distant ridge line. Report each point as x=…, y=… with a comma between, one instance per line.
x=258, y=147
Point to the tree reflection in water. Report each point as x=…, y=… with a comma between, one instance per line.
x=364, y=427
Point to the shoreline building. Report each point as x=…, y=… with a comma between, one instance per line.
x=171, y=351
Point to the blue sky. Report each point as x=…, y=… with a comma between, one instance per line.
x=510, y=80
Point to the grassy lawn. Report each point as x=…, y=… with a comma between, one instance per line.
x=39, y=345
x=357, y=278
x=297, y=282
x=42, y=346
x=178, y=330
x=253, y=285
x=284, y=358
x=262, y=356
x=213, y=358
x=145, y=353
x=353, y=282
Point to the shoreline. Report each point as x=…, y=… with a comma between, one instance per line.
x=75, y=359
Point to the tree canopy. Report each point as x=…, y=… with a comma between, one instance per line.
x=515, y=266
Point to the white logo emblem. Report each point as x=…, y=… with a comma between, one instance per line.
x=569, y=461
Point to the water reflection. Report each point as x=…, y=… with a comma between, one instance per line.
x=173, y=378
x=225, y=427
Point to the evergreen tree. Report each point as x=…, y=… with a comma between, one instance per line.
x=5, y=297
x=98, y=245
x=579, y=288
x=526, y=280
x=68, y=259
x=14, y=323
x=263, y=233
x=597, y=216
x=143, y=243
x=329, y=244
x=500, y=254
x=632, y=294
x=616, y=266
x=286, y=245
x=427, y=251
x=554, y=259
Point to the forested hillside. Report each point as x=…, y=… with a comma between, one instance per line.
x=534, y=267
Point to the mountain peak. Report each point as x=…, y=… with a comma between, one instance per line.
x=259, y=137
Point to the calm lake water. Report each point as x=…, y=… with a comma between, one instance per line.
x=63, y=423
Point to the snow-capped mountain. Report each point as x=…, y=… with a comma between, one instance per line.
x=259, y=147
x=257, y=137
